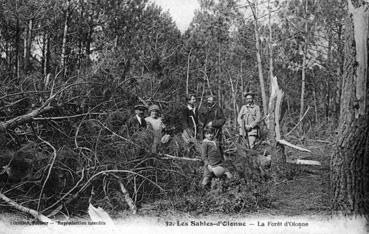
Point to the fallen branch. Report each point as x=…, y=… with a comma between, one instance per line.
x=67, y=117
x=305, y=162
x=144, y=102
x=116, y=134
x=167, y=156
x=308, y=162
x=30, y=211
x=12, y=123
x=322, y=141
x=117, y=171
x=128, y=199
x=284, y=142
x=49, y=172
x=299, y=121
x=65, y=195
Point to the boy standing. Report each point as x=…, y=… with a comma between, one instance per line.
x=212, y=158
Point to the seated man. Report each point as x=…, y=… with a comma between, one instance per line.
x=249, y=119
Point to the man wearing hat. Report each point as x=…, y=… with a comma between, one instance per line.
x=190, y=119
x=155, y=123
x=137, y=122
x=249, y=119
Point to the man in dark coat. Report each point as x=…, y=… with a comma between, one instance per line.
x=190, y=119
x=137, y=122
x=213, y=117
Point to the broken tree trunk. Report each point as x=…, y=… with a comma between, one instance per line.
x=277, y=149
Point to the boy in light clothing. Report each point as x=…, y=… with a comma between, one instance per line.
x=212, y=158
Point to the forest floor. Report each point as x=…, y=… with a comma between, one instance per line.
x=305, y=194
x=308, y=192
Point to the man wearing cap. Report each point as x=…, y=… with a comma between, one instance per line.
x=213, y=117
x=155, y=123
x=137, y=122
x=249, y=119
x=190, y=119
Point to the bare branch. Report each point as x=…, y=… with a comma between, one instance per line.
x=49, y=172
x=12, y=123
x=299, y=121
x=30, y=211
x=168, y=156
x=65, y=195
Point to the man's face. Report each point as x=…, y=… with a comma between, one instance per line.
x=139, y=112
x=210, y=101
x=249, y=99
x=192, y=100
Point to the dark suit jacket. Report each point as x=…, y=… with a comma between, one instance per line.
x=214, y=114
x=134, y=125
x=190, y=119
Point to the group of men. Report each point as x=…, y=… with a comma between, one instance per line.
x=248, y=119
x=213, y=119
x=210, y=121
x=212, y=116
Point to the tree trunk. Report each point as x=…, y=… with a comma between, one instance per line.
x=270, y=45
x=8, y=58
x=302, y=101
x=219, y=87
x=234, y=102
x=349, y=162
x=329, y=75
x=258, y=57
x=327, y=100
x=17, y=49
x=64, y=43
x=340, y=68
x=188, y=71
x=47, y=53
x=28, y=46
x=242, y=82
x=315, y=105
x=89, y=37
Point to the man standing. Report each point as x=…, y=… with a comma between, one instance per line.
x=137, y=122
x=214, y=117
x=190, y=119
x=248, y=119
